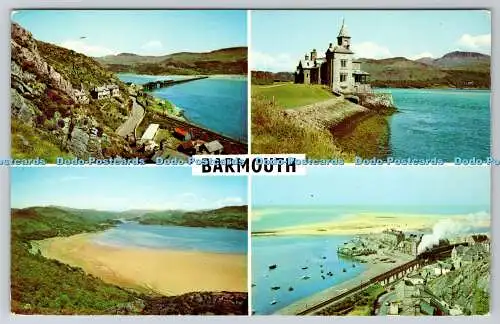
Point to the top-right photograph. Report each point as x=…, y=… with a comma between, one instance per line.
x=364, y=84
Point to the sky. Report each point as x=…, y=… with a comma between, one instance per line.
x=123, y=188
x=377, y=186
x=279, y=39
x=144, y=32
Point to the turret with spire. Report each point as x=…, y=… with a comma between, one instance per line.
x=343, y=39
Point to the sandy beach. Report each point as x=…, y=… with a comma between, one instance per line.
x=366, y=223
x=166, y=272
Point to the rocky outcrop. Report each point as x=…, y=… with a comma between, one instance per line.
x=44, y=98
x=199, y=303
x=24, y=53
x=382, y=102
x=468, y=287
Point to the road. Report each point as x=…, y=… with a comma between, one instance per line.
x=133, y=120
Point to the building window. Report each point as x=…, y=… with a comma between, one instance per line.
x=343, y=77
x=343, y=63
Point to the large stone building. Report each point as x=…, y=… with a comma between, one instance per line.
x=338, y=70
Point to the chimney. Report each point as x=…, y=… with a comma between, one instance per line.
x=331, y=45
x=306, y=57
x=314, y=55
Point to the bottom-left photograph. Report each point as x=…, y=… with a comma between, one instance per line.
x=120, y=240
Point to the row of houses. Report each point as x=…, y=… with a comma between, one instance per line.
x=97, y=93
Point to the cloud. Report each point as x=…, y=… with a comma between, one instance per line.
x=273, y=63
x=477, y=42
x=371, y=50
x=152, y=47
x=81, y=46
x=421, y=55
x=229, y=201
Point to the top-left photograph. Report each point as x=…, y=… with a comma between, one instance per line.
x=123, y=85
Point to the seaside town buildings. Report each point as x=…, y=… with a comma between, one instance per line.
x=337, y=69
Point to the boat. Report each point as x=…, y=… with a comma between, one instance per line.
x=305, y=277
x=275, y=287
x=323, y=277
x=290, y=288
x=330, y=273
x=322, y=271
x=323, y=257
x=272, y=266
x=353, y=265
x=273, y=302
x=253, y=285
x=304, y=268
x=344, y=270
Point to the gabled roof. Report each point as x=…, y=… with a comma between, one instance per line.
x=306, y=64
x=213, y=146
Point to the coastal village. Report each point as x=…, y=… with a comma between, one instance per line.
x=436, y=285
x=176, y=138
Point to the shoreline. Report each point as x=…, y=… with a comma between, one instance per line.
x=157, y=271
x=368, y=223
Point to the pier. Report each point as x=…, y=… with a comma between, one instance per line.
x=168, y=83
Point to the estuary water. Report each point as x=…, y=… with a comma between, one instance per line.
x=217, y=103
x=296, y=256
x=291, y=254
x=218, y=240
x=440, y=123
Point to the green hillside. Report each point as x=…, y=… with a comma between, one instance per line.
x=48, y=120
x=228, y=217
x=224, y=61
x=43, y=286
x=456, y=70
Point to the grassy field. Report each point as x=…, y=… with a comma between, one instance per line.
x=290, y=95
x=369, y=138
x=272, y=132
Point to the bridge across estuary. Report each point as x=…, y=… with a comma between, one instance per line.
x=168, y=83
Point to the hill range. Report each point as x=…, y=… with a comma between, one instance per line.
x=452, y=70
x=232, y=60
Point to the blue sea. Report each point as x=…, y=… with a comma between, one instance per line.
x=218, y=103
x=218, y=240
x=441, y=124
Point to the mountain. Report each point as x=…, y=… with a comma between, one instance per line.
x=463, y=60
x=455, y=69
x=229, y=217
x=52, y=112
x=232, y=60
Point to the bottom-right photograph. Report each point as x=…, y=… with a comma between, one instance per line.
x=382, y=240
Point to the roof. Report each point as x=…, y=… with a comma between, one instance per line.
x=480, y=238
x=307, y=64
x=213, y=146
x=426, y=308
x=181, y=131
x=150, y=132
x=360, y=72
x=343, y=30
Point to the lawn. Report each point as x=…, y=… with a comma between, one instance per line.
x=291, y=95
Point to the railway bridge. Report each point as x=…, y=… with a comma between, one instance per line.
x=423, y=259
